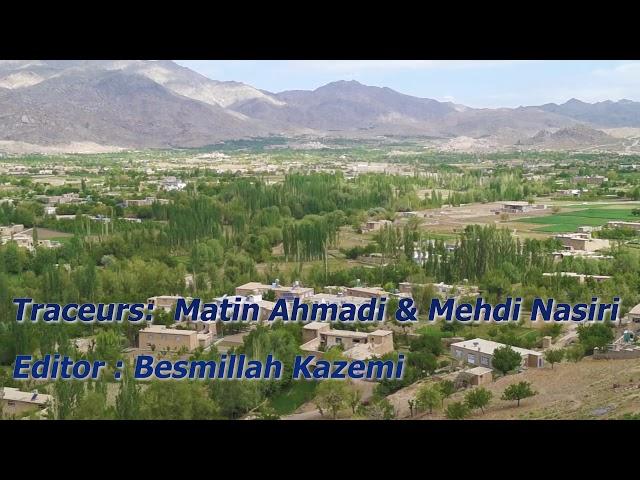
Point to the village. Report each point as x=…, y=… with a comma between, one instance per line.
x=220, y=226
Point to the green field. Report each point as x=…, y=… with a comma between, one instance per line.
x=291, y=398
x=570, y=221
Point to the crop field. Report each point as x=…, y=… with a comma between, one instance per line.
x=569, y=221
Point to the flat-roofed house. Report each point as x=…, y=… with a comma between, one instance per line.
x=582, y=241
x=318, y=337
x=620, y=224
x=253, y=288
x=295, y=291
x=161, y=338
x=634, y=314
x=165, y=302
x=521, y=207
x=479, y=352
x=367, y=292
x=477, y=375
x=16, y=402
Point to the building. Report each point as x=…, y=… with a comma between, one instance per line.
x=165, y=302
x=254, y=288
x=145, y=202
x=520, y=207
x=479, y=352
x=634, y=314
x=340, y=299
x=367, y=292
x=579, y=276
x=8, y=230
x=172, y=184
x=15, y=402
x=582, y=241
x=572, y=192
x=319, y=337
x=590, y=179
x=376, y=225
x=22, y=240
x=477, y=376
x=618, y=224
x=579, y=253
x=293, y=292
x=162, y=339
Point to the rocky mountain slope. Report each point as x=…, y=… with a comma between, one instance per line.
x=135, y=104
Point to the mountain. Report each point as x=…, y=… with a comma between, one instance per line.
x=623, y=113
x=159, y=104
x=572, y=137
x=179, y=80
x=114, y=108
x=349, y=106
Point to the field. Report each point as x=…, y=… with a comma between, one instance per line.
x=291, y=398
x=570, y=221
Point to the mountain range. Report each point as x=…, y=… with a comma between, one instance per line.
x=159, y=104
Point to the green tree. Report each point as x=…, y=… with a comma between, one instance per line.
x=354, y=397
x=554, y=356
x=177, y=400
x=575, y=353
x=457, y=411
x=331, y=395
x=506, y=359
x=518, y=391
x=598, y=335
x=380, y=409
x=447, y=388
x=109, y=347
x=428, y=396
x=478, y=398
x=128, y=398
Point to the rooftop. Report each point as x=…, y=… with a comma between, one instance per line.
x=487, y=346
x=168, y=331
x=15, y=395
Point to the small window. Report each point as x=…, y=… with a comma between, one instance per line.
x=356, y=340
x=339, y=340
x=484, y=360
x=458, y=354
x=11, y=403
x=471, y=358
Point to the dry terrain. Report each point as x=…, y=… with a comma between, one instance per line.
x=590, y=389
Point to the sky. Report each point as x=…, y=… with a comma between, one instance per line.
x=475, y=83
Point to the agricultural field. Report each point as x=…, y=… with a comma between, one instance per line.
x=590, y=216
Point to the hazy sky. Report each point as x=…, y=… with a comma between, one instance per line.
x=474, y=83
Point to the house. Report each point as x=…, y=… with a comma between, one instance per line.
x=172, y=184
x=477, y=376
x=520, y=207
x=479, y=352
x=618, y=224
x=254, y=288
x=582, y=241
x=7, y=231
x=572, y=192
x=165, y=302
x=266, y=307
x=366, y=292
x=634, y=314
x=376, y=225
x=581, y=277
x=22, y=240
x=14, y=402
x=295, y=291
x=340, y=299
x=318, y=337
x=590, y=179
x=161, y=338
